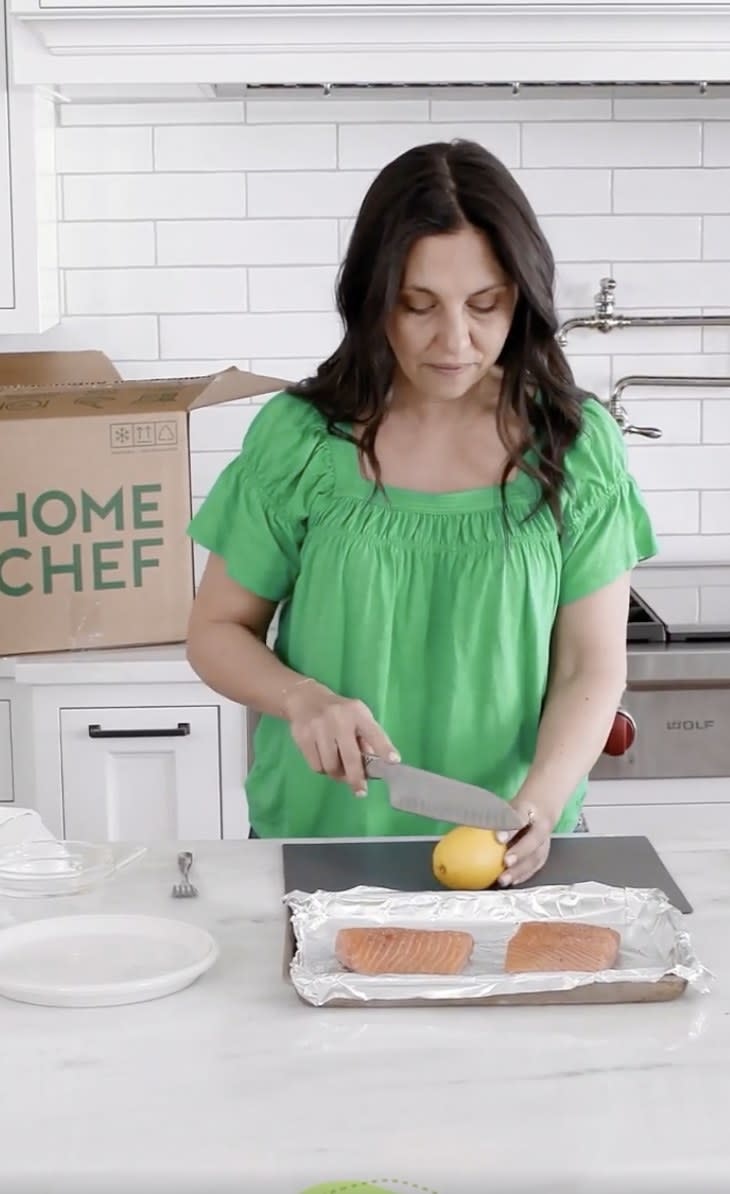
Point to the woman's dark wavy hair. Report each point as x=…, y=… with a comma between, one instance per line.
x=437, y=188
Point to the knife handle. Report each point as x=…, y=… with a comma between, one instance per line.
x=375, y=768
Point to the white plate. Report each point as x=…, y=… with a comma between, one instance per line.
x=101, y=961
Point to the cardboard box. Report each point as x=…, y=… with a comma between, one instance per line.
x=95, y=500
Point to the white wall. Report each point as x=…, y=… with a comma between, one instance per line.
x=200, y=234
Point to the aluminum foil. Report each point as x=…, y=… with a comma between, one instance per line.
x=654, y=943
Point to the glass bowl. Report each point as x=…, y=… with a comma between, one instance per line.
x=53, y=868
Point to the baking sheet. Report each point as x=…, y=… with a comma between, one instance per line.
x=654, y=943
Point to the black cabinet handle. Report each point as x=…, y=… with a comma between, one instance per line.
x=183, y=728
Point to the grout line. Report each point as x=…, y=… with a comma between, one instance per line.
x=702, y=144
x=702, y=255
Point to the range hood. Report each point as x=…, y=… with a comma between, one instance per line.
x=359, y=42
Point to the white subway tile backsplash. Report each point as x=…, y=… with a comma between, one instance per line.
x=181, y=112
x=716, y=243
x=576, y=284
x=520, y=108
x=205, y=468
x=96, y=244
x=679, y=420
x=674, y=513
x=154, y=196
x=716, y=420
x=612, y=144
x=326, y=110
x=345, y=228
x=593, y=374
x=289, y=368
x=197, y=234
x=715, y=599
x=200, y=557
x=638, y=342
x=566, y=192
x=695, y=191
x=292, y=288
x=671, y=574
x=669, y=285
x=246, y=147
x=247, y=242
x=663, y=467
x=143, y=370
x=624, y=238
x=661, y=108
x=118, y=336
x=695, y=550
x=157, y=291
x=716, y=517
x=221, y=428
x=372, y=145
x=716, y=339
x=103, y=150
x=309, y=193
x=667, y=364
x=679, y=605
x=245, y=335
x=717, y=144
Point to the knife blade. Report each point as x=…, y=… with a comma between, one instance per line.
x=429, y=795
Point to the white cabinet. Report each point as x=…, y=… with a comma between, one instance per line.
x=6, y=754
x=128, y=744
x=425, y=42
x=29, y=284
x=7, y=264
x=142, y=774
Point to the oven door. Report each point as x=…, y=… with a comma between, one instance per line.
x=680, y=732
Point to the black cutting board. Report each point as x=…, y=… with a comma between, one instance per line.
x=406, y=865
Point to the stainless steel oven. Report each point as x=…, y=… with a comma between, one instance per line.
x=678, y=691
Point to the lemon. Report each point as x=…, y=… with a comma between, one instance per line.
x=468, y=859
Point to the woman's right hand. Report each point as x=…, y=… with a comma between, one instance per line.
x=333, y=732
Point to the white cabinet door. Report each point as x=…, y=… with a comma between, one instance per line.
x=29, y=279
x=142, y=774
x=7, y=258
x=6, y=754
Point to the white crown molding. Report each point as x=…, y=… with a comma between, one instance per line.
x=408, y=41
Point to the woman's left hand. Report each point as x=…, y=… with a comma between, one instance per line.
x=528, y=849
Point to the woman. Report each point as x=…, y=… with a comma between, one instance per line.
x=446, y=521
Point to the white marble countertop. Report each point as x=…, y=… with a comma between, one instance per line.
x=166, y=663
x=234, y=1085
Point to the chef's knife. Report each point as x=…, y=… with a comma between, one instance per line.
x=429, y=795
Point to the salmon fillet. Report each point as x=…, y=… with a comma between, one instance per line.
x=403, y=951
x=561, y=945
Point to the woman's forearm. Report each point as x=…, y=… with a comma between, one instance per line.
x=577, y=718
x=234, y=662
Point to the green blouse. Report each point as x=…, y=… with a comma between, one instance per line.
x=423, y=605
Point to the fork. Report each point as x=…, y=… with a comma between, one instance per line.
x=185, y=888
